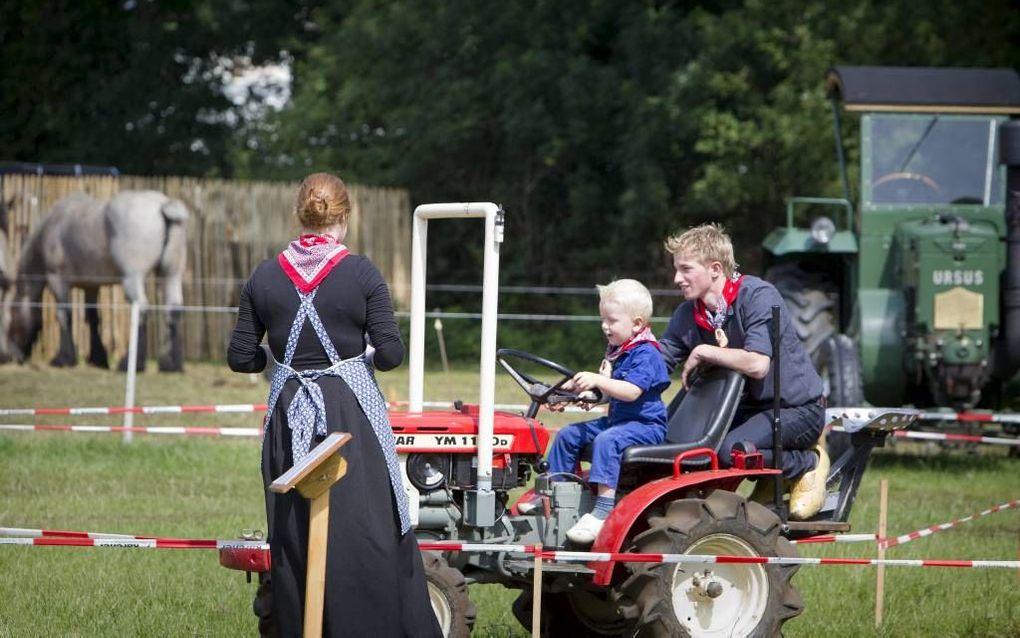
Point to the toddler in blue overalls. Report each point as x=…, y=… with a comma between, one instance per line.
x=633, y=377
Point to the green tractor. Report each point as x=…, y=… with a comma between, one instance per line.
x=910, y=292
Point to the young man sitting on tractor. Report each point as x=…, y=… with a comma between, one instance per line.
x=632, y=376
x=724, y=321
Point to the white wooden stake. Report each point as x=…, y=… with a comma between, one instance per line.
x=536, y=597
x=129, y=392
x=883, y=506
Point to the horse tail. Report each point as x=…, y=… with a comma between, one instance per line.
x=174, y=211
x=174, y=257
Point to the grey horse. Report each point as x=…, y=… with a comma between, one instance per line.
x=5, y=264
x=6, y=276
x=83, y=243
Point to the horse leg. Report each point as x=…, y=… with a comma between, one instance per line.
x=172, y=264
x=97, y=351
x=134, y=290
x=172, y=359
x=67, y=355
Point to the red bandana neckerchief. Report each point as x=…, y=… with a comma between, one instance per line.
x=702, y=316
x=613, y=352
x=309, y=258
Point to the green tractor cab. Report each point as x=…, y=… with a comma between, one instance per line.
x=904, y=291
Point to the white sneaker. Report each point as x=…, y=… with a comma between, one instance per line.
x=529, y=505
x=586, y=530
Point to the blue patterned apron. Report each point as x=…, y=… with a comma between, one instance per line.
x=306, y=414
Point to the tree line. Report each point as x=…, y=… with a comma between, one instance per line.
x=601, y=126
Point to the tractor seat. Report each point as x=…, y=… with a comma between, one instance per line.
x=699, y=417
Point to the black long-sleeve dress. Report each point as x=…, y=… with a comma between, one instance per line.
x=375, y=582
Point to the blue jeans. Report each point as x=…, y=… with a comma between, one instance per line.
x=608, y=443
x=801, y=428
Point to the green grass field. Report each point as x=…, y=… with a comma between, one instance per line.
x=200, y=487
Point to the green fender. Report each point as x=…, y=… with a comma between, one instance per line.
x=880, y=313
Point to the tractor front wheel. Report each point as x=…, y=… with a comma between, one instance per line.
x=449, y=597
x=713, y=599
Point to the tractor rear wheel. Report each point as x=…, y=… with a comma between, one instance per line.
x=811, y=301
x=449, y=596
x=714, y=599
x=840, y=368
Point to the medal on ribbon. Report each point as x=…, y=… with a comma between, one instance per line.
x=720, y=338
x=716, y=320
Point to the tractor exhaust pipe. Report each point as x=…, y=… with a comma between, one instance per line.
x=1007, y=352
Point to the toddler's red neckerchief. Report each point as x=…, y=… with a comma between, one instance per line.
x=613, y=352
x=713, y=321
x=309, y=258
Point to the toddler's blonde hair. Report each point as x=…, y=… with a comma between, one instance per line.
x=632, y=296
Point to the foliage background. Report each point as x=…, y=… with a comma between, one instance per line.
x=601, y=126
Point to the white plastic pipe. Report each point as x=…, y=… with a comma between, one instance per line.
x=493, y=216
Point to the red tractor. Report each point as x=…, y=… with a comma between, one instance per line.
x=461, y=466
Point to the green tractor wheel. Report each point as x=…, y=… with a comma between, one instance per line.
x=811, y=300
x=839, y=365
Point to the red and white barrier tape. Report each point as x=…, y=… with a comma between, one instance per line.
x=562, y=556
x=970, y=417
x=959, y=417
x=61, y=533
x=928, y=531
x=946, y=436
x=152, y=409
x=210, y=431
x=837, y=538
x=141, y=543
x=229, y=408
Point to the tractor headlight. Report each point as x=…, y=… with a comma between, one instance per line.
x=428, y=471
x=822, y=230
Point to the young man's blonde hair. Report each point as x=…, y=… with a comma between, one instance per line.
x=631, y=295
x=705, y=243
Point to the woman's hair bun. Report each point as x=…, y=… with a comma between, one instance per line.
x=322, y=200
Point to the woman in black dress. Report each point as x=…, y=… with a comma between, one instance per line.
x=318, y=303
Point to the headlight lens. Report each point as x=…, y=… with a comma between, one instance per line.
x=428, y=471
x=822, y=230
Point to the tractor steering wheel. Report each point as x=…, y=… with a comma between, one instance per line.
x=911, y=178
x=541, y=393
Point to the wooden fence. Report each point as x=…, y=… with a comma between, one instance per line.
x=234, y=225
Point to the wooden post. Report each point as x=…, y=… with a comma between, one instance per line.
x=883, y=504
x=438, y=325
x=313, y=476
x=536, y=596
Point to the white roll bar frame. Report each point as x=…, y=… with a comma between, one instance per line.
x=493, y=216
